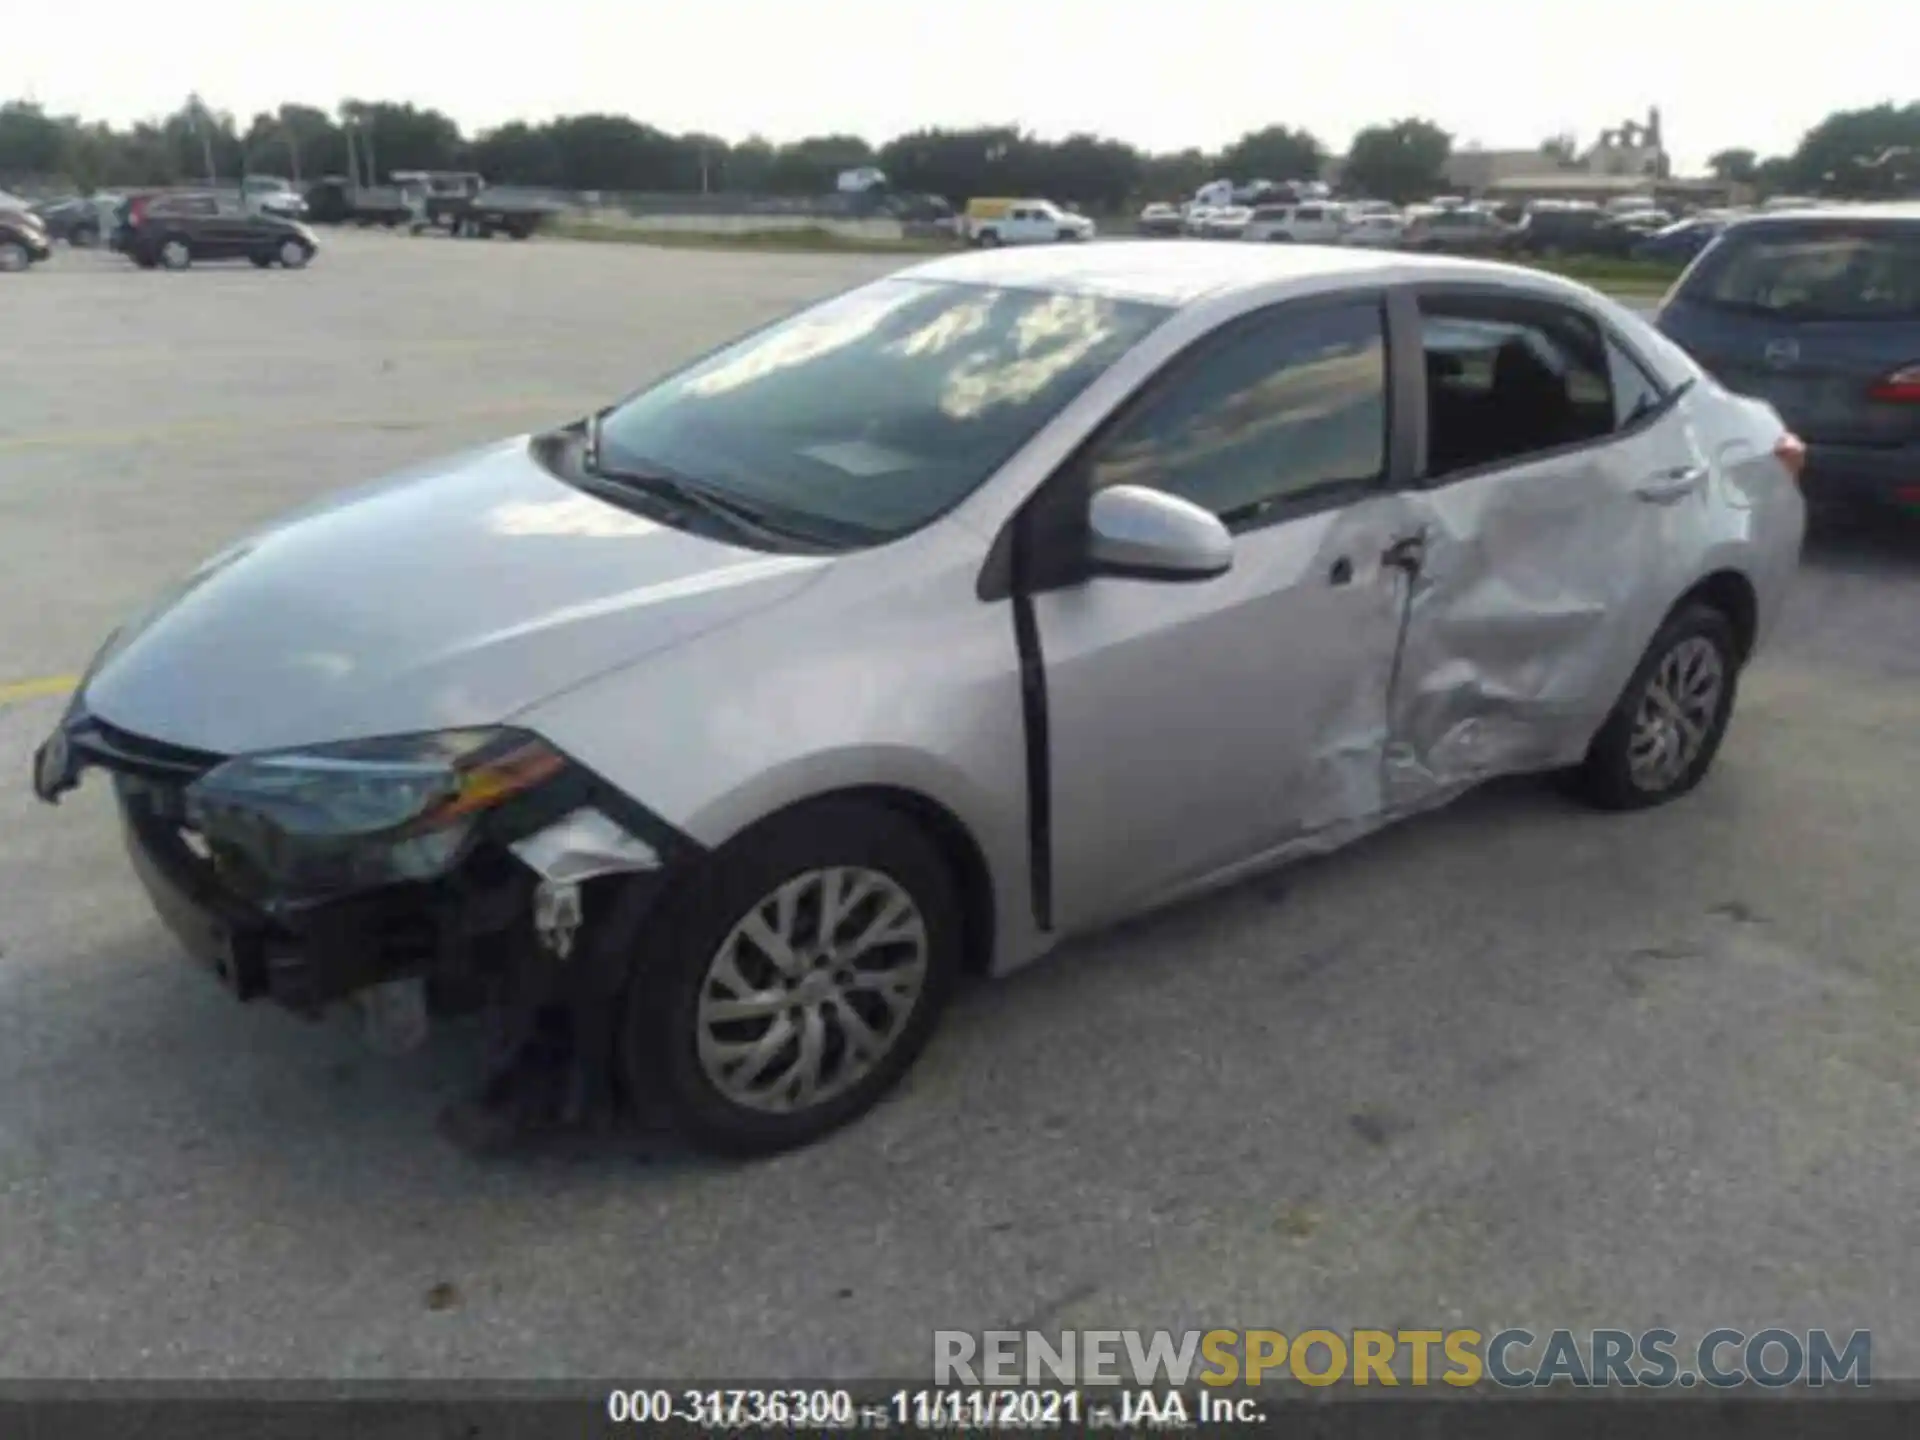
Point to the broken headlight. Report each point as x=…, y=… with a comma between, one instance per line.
x=360, y=814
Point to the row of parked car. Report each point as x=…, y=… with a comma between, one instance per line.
x=1542, y=228
x=157, y=229
x=261, y=218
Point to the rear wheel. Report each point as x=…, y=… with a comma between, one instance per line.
x=1663, y=734
x=787, y=989
x=989, y=239
x=176, y=254
x=14, y=257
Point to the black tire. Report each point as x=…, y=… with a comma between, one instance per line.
x=261, y=262
x=85, y=237
x=1605, y=779
x=658, y=1044
x=989, y=239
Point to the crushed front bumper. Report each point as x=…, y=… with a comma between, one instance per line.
x=455, y=933
x=462, y=934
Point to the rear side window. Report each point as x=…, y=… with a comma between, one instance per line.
x=1635, y=393
x=1508, y=380
x=1821, y=274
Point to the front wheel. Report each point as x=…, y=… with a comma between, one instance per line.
x=1669, y=722
x=293, y=255
x=791, y=985
x=14, y=257
x=176, y=254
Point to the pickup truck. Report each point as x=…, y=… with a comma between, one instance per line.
x=337, y=201
x=462, y=203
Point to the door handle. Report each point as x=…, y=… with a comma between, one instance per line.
x=1408, y=553
x=1671, y=485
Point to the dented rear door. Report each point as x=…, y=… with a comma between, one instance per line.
x=1533, y=591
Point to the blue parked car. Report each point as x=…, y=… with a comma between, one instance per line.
x=1818, y=313
x=1679, y=241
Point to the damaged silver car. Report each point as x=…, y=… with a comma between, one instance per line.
x=715, y=736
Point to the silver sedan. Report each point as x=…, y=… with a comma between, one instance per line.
x=719, y=733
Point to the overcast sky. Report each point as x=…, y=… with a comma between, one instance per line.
x=1162, y=73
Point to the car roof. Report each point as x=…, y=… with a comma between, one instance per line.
x=1890, y=211
x=1182, y=272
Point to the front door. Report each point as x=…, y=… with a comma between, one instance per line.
x=1559, y=510
x=1196, y=725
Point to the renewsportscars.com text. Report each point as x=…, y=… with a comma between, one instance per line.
x=1512, y=1358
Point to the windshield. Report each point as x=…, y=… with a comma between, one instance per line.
x=880, y=409
x=1818, y=275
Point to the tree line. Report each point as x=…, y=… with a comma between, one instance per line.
x=1872, y=151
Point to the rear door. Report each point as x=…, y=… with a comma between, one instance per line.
x=232, y=232
x=1561, y=499
x=1813, y=317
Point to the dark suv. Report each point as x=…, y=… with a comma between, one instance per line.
x=175, y=230
x=1558, y=229
x=1818, y=312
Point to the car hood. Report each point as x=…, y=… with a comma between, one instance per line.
x=454, y=594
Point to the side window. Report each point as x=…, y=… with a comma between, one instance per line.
x=1309, y=212
x=1634, y=391
x=1506, y=380
x=1289, y=408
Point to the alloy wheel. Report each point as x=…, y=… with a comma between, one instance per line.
x=811, y=989
x=1676, y=714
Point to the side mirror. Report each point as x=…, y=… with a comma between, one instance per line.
x=1150, y=535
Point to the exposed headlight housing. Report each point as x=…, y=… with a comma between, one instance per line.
x=361, y=814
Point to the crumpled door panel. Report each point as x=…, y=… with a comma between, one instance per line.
x=1539, y=586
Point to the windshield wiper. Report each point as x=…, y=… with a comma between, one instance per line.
x=738, y=516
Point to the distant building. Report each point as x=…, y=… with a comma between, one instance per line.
x=1472, y=172
x=1626, y=159
x=1632, y=148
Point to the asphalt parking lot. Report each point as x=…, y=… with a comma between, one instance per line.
x=1511, y=1064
